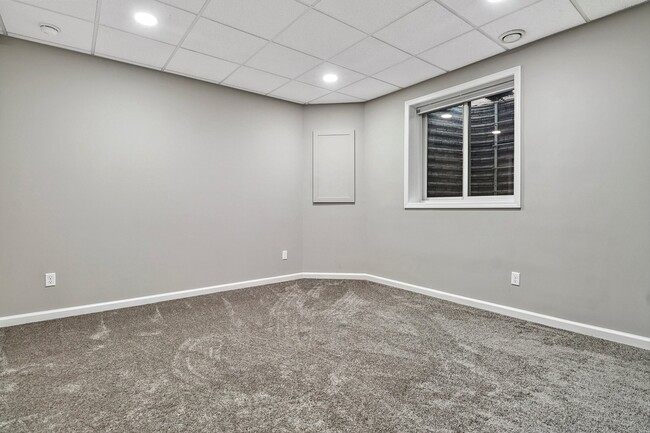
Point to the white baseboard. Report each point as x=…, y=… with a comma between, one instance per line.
x=40, y=316
x=555, y=322
x=543, y=319
x=335, y=276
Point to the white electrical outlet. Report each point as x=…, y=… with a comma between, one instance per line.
x=284, y=255
x=50, y=280
x=514, y=278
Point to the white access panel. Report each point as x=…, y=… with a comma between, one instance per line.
x=333, y=163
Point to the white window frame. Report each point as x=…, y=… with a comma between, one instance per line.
x=415, y=149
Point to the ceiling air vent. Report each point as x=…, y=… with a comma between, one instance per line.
x=512, y=36
x=49, y=29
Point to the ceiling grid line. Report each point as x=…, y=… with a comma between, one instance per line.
x=31, y=5
x=474, y=27
x=98, y=8
x=580, y=11
x=176, y=6
x=273, y=40
x=328, y=59
x=135, y=34
x=187, y=32
x=49, y=43
x=268, y=42
x=282, y=50
x=3, y=29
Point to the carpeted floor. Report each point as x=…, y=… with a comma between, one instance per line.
x=316, y=356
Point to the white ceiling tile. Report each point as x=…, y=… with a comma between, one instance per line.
x=201, y=66
x=336, y=98
x=24, y=20
x=130, y=47
x=599, y=8
x=481, y=12
x=368, y=15
x=409, y=72
x=315, y=76
x=172, y=22
x=222, y=41
x=193, y=6
x=319, y=35
x=44, y=42
x=464, y=50
x=423, y=28
x=84, y=9
x=301, y=92
x=539, y=20
x=308, y=2
x=257, y=81
x=263, y=18
x=368, y=88
x=370, y=56
x=283, y=61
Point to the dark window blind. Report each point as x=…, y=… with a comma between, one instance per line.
x=491, y=145
x=445, y=152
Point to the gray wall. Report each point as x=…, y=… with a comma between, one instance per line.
x=582, y=238
x=129, y=182
x=333, y=233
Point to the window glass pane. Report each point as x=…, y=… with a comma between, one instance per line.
x=491, y=145
x=445, y=152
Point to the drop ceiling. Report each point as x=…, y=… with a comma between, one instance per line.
x=282, y=48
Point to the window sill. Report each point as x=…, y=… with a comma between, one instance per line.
x=466, y=203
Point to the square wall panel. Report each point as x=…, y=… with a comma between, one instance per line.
x=132, y=48
x=370, y=56
x=481, y=12
x=539, y=20
x=84, y=9
x=221, y=41
x=464, y=50
x=283, y=61
x=423, y=28
x=319, y=35
x=200, y=66
x=24, y=20
x=315, y=76
x=295, y=91
x=368, y=15
x=368, y=88
x=262, y=18
x=257, y=81
x=172, y=24
x=409, y=72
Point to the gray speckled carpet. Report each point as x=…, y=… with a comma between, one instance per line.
x=316, y=356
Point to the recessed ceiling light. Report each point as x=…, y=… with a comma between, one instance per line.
x=494, y=1
x=330, y=78
x=446, y=116
x=496, y=132
x=512, y=36
x=145, y=19
x=50, y=29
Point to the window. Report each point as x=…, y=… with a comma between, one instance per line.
x=462, y=146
